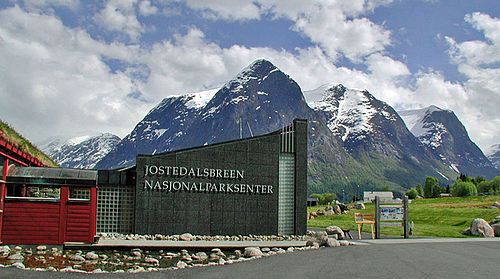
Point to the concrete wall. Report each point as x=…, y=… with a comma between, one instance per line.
x=211, y=213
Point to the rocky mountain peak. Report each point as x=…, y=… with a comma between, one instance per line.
x=80, y=152
x=350, y=113
x=447, y=138
x=493, y=154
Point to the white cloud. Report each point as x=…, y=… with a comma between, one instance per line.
x=120, y=16
x=227, y=10
x=478, y=61
x=54, y=82
x=338, y=27
x=146, y=8
x=59, y=73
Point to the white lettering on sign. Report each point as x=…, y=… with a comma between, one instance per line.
x=192, y=172
x=164, y=179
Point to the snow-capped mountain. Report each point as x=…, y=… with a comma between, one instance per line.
x=79, y=152
x=354, y=141
x=260, y=99
x=443, y=133
x=372, y=131
x=160, y=129
x=493, y=154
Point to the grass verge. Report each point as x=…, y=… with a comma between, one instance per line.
x=440, y=217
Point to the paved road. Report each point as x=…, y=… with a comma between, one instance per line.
x=473, y=259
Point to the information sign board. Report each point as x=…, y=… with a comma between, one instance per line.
x=391, y=213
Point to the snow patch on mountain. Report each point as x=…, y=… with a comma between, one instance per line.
x=493, y=154
x=80, y=152
x=350, y=111
x=429, y=133
x=199, y=100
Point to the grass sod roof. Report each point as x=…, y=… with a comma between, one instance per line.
x=25, y=145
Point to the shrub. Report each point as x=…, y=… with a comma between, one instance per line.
x=412, y=193
x=431, y=188
x=419, y=190
x=463, y=189
x=325, y=198
x=484, y=187
x=495, y=184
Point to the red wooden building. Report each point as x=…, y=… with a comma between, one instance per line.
x=41, y=205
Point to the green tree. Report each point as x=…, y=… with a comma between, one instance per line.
x=412, y=193
x=485, y=187
x=419, y=190
x=478, y=180
x=329, y=197
x=431, y=187
x=495, y=184
x=463, y=189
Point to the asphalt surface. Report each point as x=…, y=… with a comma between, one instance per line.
x=473, y=259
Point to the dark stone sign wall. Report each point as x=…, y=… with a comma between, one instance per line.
x=228, y=189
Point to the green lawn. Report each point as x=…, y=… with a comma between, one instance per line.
x=441, y=217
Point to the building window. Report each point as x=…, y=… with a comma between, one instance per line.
x=286, y=193
x=115, y=209
x=31, y=191
x=79, y=193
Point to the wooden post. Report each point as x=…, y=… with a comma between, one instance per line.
x=93, y=214
x=377, y=217
x=405, y=217
x=63, y=212
x=3, y=193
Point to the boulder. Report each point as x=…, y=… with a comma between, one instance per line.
x=91, y=256
x=41, y=248
x=4, y=249
x=19, y=265
x=334, y=230
x=360, y=206
x=136, y=254
x=496, y=229
x=344, y=243
x=181, y=264
x=238, y=254
x=76, y=258
x=186, y=237
x=480, y=227
x=331, y=242
x=252, y=252
x=15, y=257
x=202, y=256
x=343, y=207
x=320, y=237
x=152, y=261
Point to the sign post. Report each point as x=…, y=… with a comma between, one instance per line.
x=391, y=214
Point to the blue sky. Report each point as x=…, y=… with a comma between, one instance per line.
x=99, y=66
